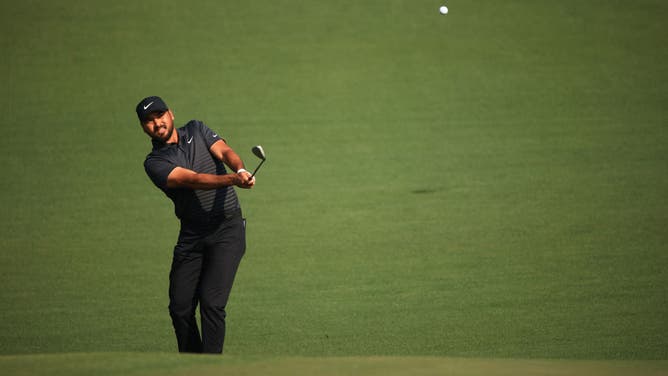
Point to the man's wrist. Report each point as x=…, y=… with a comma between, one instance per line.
x=241, y=170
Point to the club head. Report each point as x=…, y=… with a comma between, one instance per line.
x=259, y=152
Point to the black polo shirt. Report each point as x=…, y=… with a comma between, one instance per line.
x=192, y=152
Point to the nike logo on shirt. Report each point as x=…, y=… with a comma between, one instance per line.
x=191, y=138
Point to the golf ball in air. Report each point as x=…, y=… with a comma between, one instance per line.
x=443, y=9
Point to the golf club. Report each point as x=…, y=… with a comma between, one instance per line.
x=259, y=152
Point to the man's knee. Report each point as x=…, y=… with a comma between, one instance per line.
x=182, y=309
x=212, y=306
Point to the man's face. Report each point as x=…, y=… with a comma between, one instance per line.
x=159, y=125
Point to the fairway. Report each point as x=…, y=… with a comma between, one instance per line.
x=482, y=192
x=155, y=364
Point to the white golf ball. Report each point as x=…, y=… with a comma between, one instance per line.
x=443, y=9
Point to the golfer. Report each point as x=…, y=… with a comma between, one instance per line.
x=188, y=165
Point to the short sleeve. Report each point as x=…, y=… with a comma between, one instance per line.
x=210, y=137
x=158, y=169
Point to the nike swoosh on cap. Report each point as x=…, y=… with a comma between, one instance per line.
x=148, y=105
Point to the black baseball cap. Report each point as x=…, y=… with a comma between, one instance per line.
x=150, y=105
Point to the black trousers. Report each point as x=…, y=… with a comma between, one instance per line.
x=205, y=262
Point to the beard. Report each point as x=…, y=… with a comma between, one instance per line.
x=164, y=136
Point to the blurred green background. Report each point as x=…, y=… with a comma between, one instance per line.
x=490, y=183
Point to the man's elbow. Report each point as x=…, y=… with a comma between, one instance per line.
x=182, y=178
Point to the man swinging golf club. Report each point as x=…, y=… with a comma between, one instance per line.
x=188, y=165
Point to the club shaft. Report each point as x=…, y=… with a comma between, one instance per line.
x=257, y=168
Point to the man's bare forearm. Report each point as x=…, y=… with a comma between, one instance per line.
x=223, y=152
x=184, y=178
x=233, y=160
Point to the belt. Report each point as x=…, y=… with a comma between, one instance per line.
x=211, y=219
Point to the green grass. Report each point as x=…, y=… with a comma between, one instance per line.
x=487, y=184
x=169, y=364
